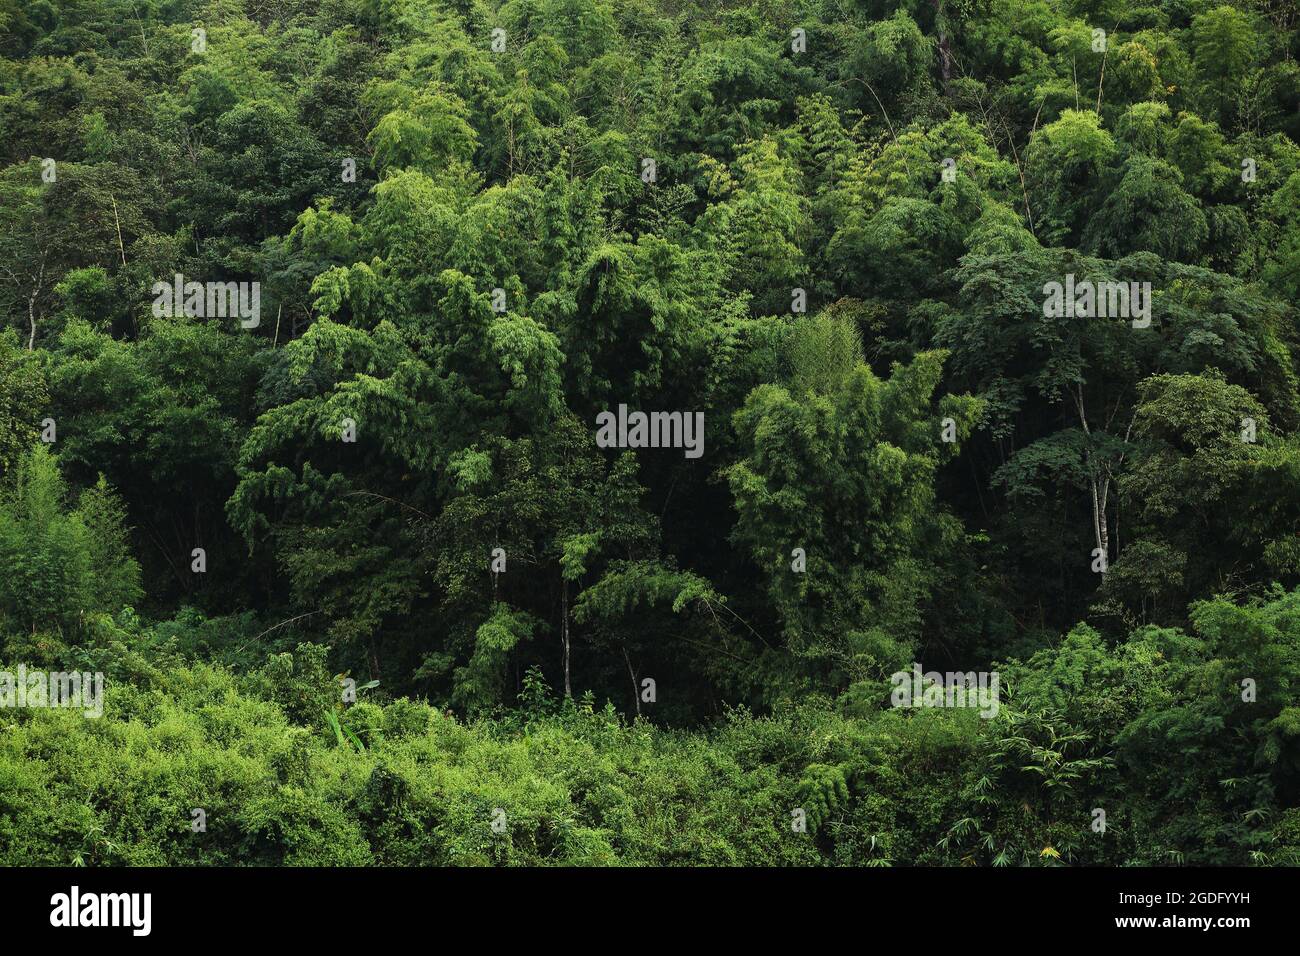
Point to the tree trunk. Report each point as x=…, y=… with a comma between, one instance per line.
x=945, y=48
x=118, y=224
x=1103, y=534
x=1098, y=486
x=636, y=691
x=31, y=303
x=564, y=610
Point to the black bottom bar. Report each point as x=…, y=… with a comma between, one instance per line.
x=349, y=905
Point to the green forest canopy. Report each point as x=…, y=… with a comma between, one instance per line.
x=438, y=239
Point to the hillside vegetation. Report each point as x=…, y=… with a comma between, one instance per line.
x=964, y=333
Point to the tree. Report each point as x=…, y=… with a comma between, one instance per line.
x=840, y=464
x=64, y=564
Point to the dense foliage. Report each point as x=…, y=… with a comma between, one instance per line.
x=829, y=227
